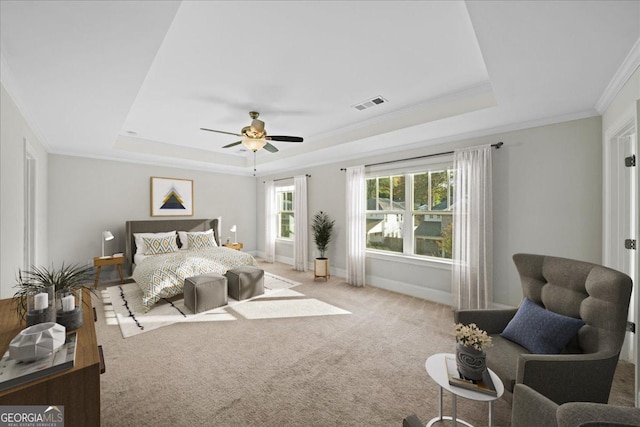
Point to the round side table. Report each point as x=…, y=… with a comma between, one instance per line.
x=436, y=367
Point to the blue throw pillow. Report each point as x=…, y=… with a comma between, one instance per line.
x=541, y=331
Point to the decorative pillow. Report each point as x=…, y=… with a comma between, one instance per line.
x=160, y=245
x=541, y=331
x=184, y=240
x=141, y=248
x=200, y=240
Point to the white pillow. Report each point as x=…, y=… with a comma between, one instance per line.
x=184, y=240
x=141, y=248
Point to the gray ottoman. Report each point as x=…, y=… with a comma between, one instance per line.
x=205, y=292
x=245, y=282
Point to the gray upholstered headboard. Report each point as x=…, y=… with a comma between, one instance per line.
x=158, y=226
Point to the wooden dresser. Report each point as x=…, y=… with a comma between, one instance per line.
x=77, y=389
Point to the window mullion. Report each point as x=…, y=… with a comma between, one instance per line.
x=407, y=226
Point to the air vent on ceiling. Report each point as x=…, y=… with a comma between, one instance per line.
x=370, y=103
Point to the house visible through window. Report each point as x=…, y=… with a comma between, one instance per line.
x=411, y=213
x=284, y=197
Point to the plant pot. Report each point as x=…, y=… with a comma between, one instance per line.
x=321, y=268
x=471, y=362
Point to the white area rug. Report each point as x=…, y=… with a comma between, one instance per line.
x=278, y=301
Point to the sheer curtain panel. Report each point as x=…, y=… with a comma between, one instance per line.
x=270, y=220
x=472, y=229
x=300, y=236
x=356, y=232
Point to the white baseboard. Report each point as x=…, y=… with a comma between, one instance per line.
x=429, y=294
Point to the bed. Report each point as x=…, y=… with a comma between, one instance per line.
x=160, y=269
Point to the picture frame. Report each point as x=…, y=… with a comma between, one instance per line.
x=171, y=196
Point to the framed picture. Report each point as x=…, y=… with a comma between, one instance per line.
x=171, y=197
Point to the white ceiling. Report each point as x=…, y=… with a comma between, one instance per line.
x=136, y=80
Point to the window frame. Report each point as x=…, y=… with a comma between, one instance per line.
x=409, y=170
x=279, y=190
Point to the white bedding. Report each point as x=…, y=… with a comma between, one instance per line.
x=162, y=276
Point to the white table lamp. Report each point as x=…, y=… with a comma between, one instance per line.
x=235, y=235
x=106, y=235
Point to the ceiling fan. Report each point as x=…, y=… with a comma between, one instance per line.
x=254, y=136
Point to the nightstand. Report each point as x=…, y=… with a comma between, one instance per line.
x=109, y=260
x=236, y=246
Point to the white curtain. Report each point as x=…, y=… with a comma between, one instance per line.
x=472, y=229
x=356, y=232
x=270, y=221
x=300, y=236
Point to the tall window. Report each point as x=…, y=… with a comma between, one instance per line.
x=411, y=213
x=284, y=196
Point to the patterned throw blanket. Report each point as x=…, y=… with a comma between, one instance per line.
x=162, y=276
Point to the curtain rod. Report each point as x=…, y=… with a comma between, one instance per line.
x=496, y=145
x=289, y=177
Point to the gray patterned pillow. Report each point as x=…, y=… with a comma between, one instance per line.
x=200, y=240
x=160, y=245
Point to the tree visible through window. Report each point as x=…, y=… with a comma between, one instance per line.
x=421, y=227
x=285, y=212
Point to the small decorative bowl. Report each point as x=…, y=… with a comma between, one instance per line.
x=37, y=341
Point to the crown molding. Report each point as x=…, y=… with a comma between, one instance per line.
x=620, y=78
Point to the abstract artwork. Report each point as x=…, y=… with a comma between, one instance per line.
x=171, y=197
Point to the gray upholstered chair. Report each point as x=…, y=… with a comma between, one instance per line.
x=531, y=409
x=584, y=369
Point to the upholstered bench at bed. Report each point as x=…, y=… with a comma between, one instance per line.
x=245, y=282
x=205, y=292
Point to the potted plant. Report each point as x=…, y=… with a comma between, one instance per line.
x=470, y=355
x=63, y=288
x=322, y=227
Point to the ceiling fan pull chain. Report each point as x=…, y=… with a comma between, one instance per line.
x=254, y=163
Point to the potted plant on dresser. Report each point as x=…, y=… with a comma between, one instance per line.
x=52, y=294
x=322, y=227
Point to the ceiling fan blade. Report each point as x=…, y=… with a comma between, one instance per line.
x=232, y=144
x=285, y=138
x=270, y=148
x=221, y=131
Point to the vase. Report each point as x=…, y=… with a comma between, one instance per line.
x=69, y=308
x=471, y=362
x=41, y=305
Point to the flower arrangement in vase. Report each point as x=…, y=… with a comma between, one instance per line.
x=470, y=355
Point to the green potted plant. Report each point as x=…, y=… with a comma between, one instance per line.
x=63, y=288
x=322, y=227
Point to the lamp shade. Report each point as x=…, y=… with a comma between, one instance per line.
x=106, y=235
x=254, y=144
x=233, y=229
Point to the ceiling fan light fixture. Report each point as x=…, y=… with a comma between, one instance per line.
x=254, y=144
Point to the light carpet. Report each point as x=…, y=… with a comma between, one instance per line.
x=123, y=305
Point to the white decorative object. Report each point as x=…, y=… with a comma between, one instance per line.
x=37, y=341
x=235, y=236
x=68, y=303
x=41, y=301
x=106, y=235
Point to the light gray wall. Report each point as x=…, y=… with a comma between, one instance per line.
x=14, y=134
x=88, y=196
x=547, y=200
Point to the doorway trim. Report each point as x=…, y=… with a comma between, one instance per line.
x=613, y=221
